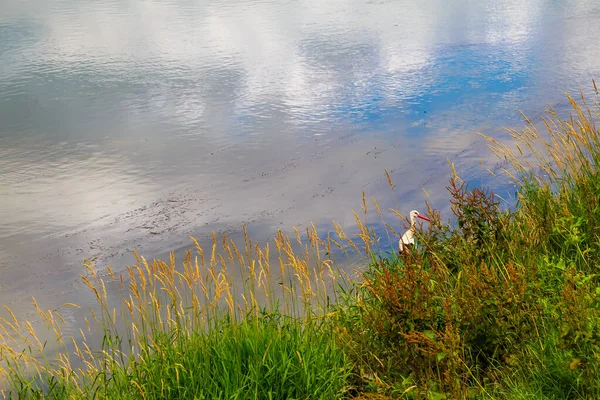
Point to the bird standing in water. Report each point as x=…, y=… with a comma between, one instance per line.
x=408, y=239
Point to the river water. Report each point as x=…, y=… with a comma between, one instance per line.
x=133, y=124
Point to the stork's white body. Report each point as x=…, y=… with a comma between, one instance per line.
x=408, y=239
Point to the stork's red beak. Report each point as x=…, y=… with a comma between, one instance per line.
x=423, y=217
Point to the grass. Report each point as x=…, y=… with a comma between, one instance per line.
x=192, y=332
x=260, y=359
x=497, y=303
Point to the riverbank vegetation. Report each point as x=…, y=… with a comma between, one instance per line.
x=498, y=303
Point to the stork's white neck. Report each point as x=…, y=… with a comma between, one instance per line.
x=413, y=222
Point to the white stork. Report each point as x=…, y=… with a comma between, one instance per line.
x=408, y=239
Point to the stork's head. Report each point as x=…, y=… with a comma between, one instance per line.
x=415, y=214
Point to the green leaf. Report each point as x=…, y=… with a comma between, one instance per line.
x=430, y=334
x=441, y=356
x=437, y=396
x=564, y=330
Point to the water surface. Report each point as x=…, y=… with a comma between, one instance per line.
x=133, y=124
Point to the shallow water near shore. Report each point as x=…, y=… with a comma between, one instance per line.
x=135, y=125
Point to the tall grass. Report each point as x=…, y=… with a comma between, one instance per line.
x=501, y=301
x=223, y=325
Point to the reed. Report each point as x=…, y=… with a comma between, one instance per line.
x=226, y=323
